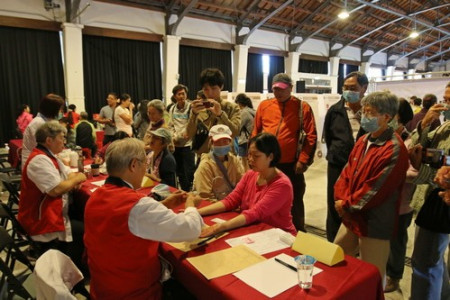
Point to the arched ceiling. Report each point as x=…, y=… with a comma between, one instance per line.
x=373, y=25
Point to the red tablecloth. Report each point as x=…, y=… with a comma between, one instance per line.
x=350, y=279
x=100, y=136
x=13, y=154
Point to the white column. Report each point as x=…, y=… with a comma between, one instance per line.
x=291, y=66
x=73, y=64
x=364, y=68
x=240, y=58
x=390, y=72
x=171, y=61
x=334, y=73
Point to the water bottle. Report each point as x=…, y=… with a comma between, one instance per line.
x=80, y=164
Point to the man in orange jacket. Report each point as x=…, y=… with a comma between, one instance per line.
x=281, y=117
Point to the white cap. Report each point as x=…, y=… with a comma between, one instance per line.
x=218, y=132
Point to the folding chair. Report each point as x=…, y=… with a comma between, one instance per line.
x=18, y=233
x=20, y=285
x=12, y=186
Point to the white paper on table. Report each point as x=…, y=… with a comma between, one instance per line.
x=218, y=220
x=261, y=242
x=98, y=183
x=270, y=277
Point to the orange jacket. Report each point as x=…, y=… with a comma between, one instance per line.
x=272, y=115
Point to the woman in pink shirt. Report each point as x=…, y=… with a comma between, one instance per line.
x=24, y=118
x=264, y=194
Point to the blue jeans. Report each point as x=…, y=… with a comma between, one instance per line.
x=430, y=276
x=396, y=261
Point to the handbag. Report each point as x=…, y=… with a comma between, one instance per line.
x=434, y=214
x=201, y=135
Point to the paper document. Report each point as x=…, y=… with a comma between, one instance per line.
x=270, y=277
x=261, y=242
x=98, y=183
x=187, y=246
x=225, y=262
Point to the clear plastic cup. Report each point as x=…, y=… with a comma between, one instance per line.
x=305, y=267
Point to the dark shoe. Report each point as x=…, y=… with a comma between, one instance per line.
x=391, y=285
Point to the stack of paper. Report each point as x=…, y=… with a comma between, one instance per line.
x=261, y=242
x=270, y=277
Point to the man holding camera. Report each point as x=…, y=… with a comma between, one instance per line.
x=211, y=111
x=430, y=277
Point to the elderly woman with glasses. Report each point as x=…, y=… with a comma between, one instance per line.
x=44, y=203
x=367, y=193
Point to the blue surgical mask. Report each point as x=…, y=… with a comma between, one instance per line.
x=446, y=113
x=350, y=96
x=369, y=124
x=221, y=150
x=60, y=115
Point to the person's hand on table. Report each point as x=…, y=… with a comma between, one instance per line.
x=211, y=230
x=175, y=199
x=193, y=200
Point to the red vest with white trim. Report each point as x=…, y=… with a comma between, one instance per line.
x=39, y=213
x=122, y=265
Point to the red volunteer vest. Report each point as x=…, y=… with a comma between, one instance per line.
x=38, y=212
x=122, y=265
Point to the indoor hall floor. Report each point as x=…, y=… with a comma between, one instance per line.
x=316, y=214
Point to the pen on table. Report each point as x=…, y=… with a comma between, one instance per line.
x=210, y=238
x=285, y=264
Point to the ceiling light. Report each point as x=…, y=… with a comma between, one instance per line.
x=413, y=34
x=343, y=14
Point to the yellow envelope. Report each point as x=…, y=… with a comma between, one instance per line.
x=223, y=262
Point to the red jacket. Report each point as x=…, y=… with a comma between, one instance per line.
x=122, y=265
x=38, y=212
x=370, y=185
x=272, y=114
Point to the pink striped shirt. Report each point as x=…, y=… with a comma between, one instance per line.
x=270, y=203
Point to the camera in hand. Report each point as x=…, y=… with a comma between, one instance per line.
x=207, y=104
x=435, y=158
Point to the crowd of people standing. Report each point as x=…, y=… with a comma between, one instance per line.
x=379, y=169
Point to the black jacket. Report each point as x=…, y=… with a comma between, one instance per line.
x=338, y=134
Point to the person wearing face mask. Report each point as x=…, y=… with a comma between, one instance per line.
x=263, y=195
x=367, y=193
x=428, y=101
x=341, y=130
x=219, y=170
x=396, y=261
x=430, y=279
